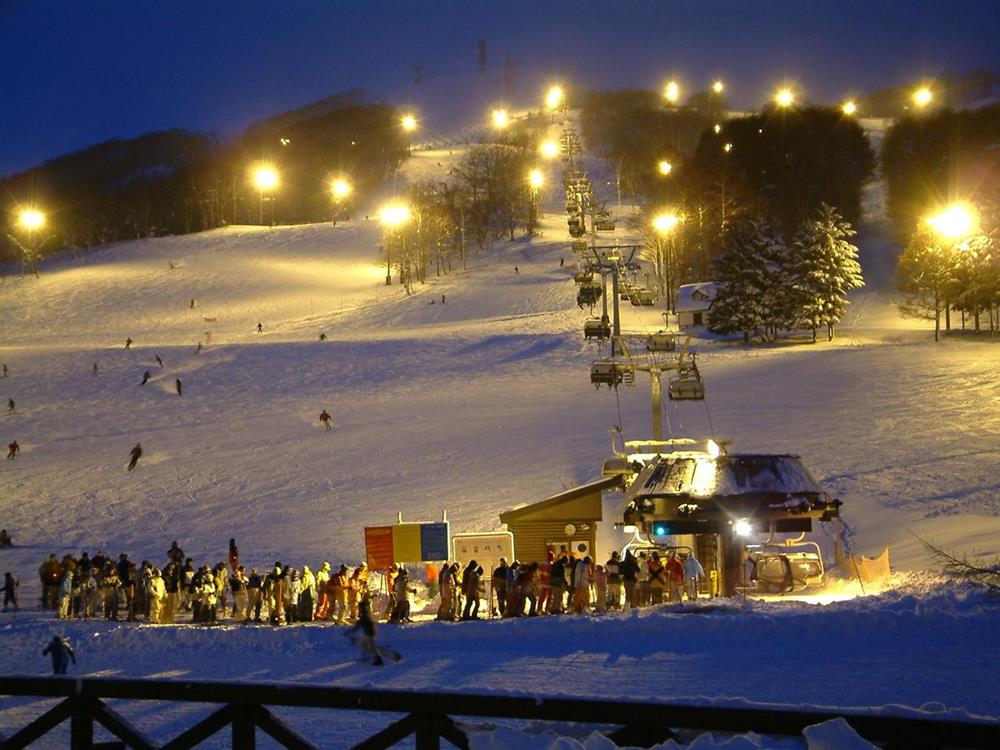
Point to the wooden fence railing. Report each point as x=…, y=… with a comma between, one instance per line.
x=243, y=707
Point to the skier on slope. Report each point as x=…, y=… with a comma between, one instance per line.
x=178, y=385
x=134, y=454
x=145, y=378
x=366, y=624
x=12, y=450
x=10, y=406
x=61, y=653
x=128, y=343
x=158, y=360
x=325, y=420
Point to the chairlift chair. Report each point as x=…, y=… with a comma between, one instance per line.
x=580, y=248
x=588, y=294
x=597, y=328
x=661, y=341
x=583, y=275
x=687, y=386
x=784, y=568
x=606, y=372
x=642, y=297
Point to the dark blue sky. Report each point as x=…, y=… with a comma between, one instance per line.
x=80, y=71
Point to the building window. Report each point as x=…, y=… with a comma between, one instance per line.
x=697, y=319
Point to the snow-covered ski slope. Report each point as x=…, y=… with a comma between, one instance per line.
x=472, y=406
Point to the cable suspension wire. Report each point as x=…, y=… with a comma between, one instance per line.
x=621, y=422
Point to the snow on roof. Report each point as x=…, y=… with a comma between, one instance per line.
x=729, y=476
x=695, y=297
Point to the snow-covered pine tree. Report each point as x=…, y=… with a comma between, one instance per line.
x=822, y=268
x=748, y=298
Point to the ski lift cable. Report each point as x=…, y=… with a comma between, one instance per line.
x=621, y=422
x=708, y=413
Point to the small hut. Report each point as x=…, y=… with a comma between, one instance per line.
x=565, y=521
x=694, y=303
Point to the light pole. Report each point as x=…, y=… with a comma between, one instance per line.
x=30, y=220
x=408, y=123
x=665, y=225
x=340, y=189
x=392, y=216
x=535, y=181
x=952, y=224
x=266, y=179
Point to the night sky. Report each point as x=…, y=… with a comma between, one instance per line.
x=78, y=72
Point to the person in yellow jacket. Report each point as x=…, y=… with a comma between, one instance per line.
x=322, y=592
x=358, y=588
x=340, y=584
x=157, y=595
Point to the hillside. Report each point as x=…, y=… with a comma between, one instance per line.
x=472, y=406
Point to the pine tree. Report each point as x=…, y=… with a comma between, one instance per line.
x=925, y=273
x=748, y=297
x=822, y=268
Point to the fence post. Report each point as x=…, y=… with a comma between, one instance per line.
x=427, y=735
x=81, y=723
x=244, y=726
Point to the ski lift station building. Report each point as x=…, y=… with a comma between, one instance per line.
x=694, y=304
x=569, y=520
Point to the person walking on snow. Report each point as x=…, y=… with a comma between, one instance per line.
x=10, y=406
x=10, y=587
x=145, y=378
x=325, y=420
x=516, y=271
x=128, y=343
x=61, y=653
x=260, y=327
x=134, y=454
x=692, y=572
x=12, y=450
x=178, y=386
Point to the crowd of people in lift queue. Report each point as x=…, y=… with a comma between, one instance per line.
x=101, y=587
x=565, y=583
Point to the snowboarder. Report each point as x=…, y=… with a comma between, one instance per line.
x=516, y=271
x=145, y=378
x=158, y=360
x=128, y=343
x=260, y=327
x=61, y=653
x=322, y=337
x=10, y=587
x=192, y=304
x=95, y=368
x=561, y=261
x=135, y=453
x=12, y=450
x=325, y=420
x=198, y=350
x=178, y=386
x=366, y=624
x=10, y=406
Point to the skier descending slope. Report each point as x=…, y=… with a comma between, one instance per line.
x=366, y=641
x=135, y=454
x=324, y=419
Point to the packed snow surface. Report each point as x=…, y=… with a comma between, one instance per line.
x=471, y=396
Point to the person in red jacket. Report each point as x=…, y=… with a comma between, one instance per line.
x=675, y=577
x=12, y=450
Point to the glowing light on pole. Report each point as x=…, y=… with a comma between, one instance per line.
x=536, y=179
x=666, y=222
x=718, y=87
x=554, y=98
x=849, y=107
x=785, y=97
x=31, y=219
x=955, y=222
x=672, y=92
x=549, y=149
x=922, y=97
x=340, y=188
x=728, y=147
x=408, y=123
x=500, y=119
x=665, y=167
x=266, y=179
